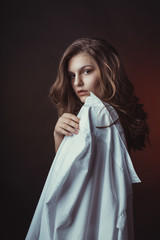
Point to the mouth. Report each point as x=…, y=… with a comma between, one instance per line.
x=82, y=92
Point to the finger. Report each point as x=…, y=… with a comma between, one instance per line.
x=71, y=116
x=68, y=128
x=71, y=123
x=66, y=133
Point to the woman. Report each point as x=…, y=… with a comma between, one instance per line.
x=112, y=86
x=88, y=192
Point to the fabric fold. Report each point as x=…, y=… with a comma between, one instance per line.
x=88, y=191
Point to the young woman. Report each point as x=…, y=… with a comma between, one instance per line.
x=94, y=65
x=88, y=192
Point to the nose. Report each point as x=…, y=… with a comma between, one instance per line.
x=78, y=80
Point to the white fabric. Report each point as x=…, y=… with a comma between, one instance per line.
x=88, y=192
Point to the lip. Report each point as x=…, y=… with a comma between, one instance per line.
x=82, y=92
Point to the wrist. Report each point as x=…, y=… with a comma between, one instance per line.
x=57, y=135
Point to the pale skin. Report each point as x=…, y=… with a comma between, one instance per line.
x=84, y=74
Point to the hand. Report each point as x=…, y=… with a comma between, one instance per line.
x=67, y=124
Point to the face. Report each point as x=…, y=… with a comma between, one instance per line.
x=84, y=74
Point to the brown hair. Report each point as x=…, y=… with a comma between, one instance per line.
x=118, y=90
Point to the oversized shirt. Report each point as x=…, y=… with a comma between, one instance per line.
x=88, y=191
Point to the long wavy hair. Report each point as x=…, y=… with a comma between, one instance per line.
x=118, y=91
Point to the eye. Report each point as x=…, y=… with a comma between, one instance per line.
x=87, y=71
x=71, y=76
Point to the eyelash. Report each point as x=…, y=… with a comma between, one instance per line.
x=86, y=72
x=71, y=76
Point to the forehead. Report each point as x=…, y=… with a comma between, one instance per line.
x=80, y=60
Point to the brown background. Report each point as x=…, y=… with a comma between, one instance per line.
x=34, y=37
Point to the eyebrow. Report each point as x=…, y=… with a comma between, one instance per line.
x=83, y=67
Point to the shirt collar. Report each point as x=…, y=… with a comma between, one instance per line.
x=93, y=99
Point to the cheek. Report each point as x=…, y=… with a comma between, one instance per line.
x=94, y=84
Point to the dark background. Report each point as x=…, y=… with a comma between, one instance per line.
x=33, y=39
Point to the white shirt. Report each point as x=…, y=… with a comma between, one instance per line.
x=88, y=191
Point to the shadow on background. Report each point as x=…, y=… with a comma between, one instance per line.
x=33, y=40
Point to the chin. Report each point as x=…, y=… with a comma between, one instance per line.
x=83, y=98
